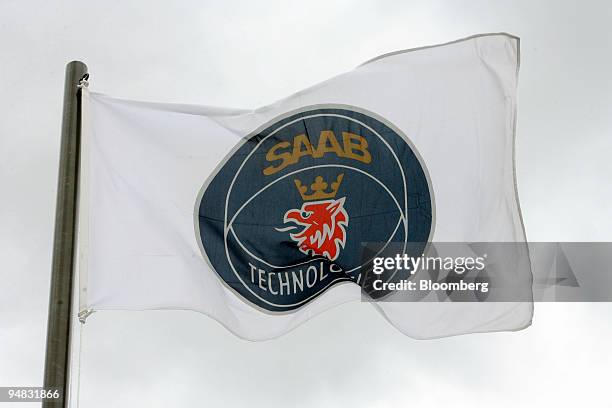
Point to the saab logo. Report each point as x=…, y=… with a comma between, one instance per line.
x=324, y=221
x=285, y=216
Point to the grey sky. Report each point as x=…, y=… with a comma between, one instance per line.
x=247, y=54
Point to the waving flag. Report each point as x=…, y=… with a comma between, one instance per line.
x=257, y=218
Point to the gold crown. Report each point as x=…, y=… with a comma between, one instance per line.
x=319, y=188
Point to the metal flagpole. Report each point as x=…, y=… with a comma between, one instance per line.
x=60, y=298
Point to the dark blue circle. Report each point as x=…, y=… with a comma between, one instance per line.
x=241, y=209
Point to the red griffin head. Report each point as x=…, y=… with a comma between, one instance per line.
x=324, y=225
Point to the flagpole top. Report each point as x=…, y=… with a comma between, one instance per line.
x=77, y=73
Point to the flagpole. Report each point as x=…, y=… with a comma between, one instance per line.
x=60, y=299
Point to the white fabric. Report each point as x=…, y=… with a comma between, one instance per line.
x=144, y=164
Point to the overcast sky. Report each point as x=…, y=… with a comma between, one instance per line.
x=248, y=54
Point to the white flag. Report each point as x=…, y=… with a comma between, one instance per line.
x=257, y=218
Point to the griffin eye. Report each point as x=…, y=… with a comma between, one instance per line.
x=306, y=214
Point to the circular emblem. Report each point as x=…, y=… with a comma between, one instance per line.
x=285, y=216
